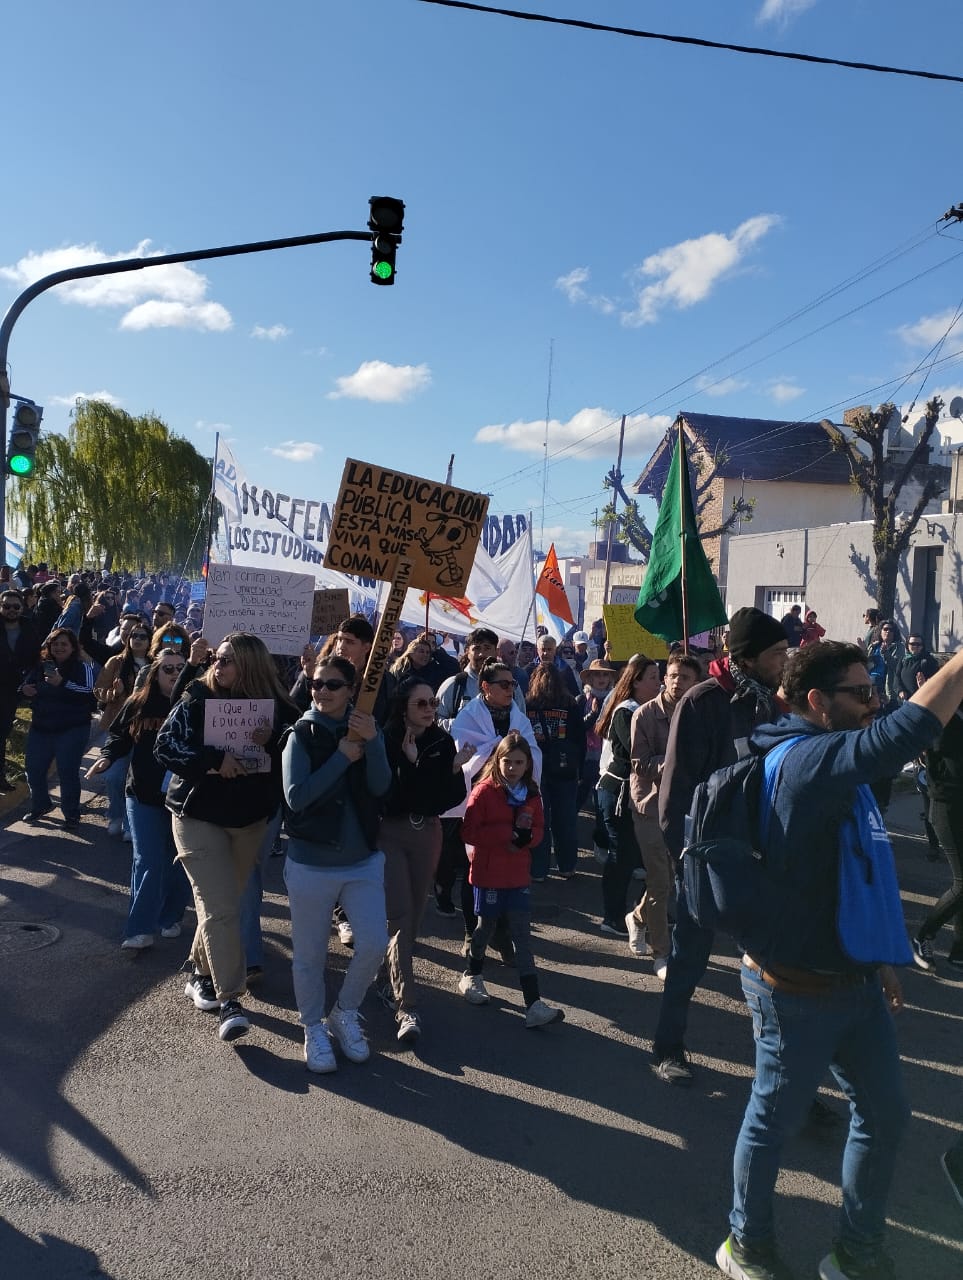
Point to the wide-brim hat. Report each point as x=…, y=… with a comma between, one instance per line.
x=598, y=664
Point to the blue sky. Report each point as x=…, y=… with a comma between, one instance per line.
x=640, y=209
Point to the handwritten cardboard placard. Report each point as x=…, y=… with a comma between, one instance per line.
x=330, y=608
x=267, y=603
x=626, y=637
x=382, y=515
x=229, y=724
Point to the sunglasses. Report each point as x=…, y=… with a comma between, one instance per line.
x=172, y=640
x=172, y=669
x=501, y=684
x=864, y=693
x=333, y=685
x=139, y=635
x=423, y=703
x=225, y=659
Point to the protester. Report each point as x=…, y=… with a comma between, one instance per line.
x=812, y=631
x=794, y=626
x=638, y=683
x=159, y=889
x=710, y=729
x=113, y=687
x=502, y=820
x=649, y=738
x=426, y=779
x=547, y=650
x=916, y=667
x=61, y=695
x=421, y=659
x=818, y=972
x=944, y=779
x=480, y=647
x=559, y=727
x=220, y=815
x=335, y=774
x=19, y=653
x=884, y=659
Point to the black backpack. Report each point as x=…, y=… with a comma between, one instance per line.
x=731, y=880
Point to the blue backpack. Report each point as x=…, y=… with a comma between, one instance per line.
x=730, y=882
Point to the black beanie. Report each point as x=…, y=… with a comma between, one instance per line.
x=751, y=631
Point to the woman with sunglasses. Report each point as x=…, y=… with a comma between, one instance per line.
x=221, y=811
x=426, y=779
x=159, y=889
x=335, y=773
x=113, y=687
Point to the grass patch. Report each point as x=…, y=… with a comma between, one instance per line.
x=17, y=744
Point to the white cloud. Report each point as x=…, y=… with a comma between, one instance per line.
x=783, y=11
x=383, y=383
x=272, y=333
x=599, y=428
x=70, y=401
x=782, y=392
x=568, y=542
x=571, y=286
x=175, y=285
x=178, y=315
x=296, y=450
x=720, y=386
x=223, y=428
x=928, y=330
x=691, y=269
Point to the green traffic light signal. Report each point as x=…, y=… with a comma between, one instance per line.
x=383, y=270
x=23, y=438
x=20, y=464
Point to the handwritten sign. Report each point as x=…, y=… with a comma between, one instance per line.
x=626, y=637
x=623, y=595
x=268, y=603
x=329, y=610
x=382, y=515
x=229, y=724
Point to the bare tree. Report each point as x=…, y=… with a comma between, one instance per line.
x=882, y=486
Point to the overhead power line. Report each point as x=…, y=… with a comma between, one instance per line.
x=696, y=40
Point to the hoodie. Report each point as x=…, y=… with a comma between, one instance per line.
x=816, y=791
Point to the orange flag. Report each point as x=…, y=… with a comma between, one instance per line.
x=551, y=588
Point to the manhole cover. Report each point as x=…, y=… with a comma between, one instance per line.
x=16, y=936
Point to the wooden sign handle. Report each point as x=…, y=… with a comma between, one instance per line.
x=380, y=649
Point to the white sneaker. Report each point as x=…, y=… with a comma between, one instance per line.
x=473, y=989
x=344, y=1025
x=661, y=967
x=541, y=1014
x=172, y=931
x=139, y=942
x=115, y=827
x=345, y=933
x=318, y=1053
x=637, y=943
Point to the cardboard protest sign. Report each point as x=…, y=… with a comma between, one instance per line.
x=329, y=609
x=267, y=603
x=229, y=724
x=380, y=649
x=626, y=637
x=382, y=514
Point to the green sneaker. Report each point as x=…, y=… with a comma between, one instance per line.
x=841, y=1265
x=751, y=1262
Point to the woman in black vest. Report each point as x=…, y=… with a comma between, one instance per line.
x=334, y=771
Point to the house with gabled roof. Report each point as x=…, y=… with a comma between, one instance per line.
x=757, y=475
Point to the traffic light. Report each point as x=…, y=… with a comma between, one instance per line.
x=24, y=434
x=385, y=222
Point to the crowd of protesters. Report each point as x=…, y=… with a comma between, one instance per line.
x=473, y=768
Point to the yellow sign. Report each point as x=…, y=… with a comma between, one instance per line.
x=382, y=515
x=626, y=637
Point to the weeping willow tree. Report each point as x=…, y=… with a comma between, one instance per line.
x=115, y=486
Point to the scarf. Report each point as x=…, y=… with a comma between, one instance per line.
x=747, y=686
x=516, y=795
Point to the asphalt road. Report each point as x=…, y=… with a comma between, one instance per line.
x=134, y=1145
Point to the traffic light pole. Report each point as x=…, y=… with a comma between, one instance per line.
x=20, y=303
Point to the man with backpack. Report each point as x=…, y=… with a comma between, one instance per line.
x=710, y=729
x=818, y=972
x=480, y=646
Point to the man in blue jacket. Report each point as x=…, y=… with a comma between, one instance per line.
x=818, y=972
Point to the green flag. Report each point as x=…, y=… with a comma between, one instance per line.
x=659, y=606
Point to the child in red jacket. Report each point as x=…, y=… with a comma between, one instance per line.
x=503, y=820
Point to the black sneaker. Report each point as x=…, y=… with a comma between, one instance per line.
x=923, y=954
x=841, y=1265
x=234, y=1022
x=675, y=1069
x=443, y=903
x=617, y=928
x=36, y=814
x=751, y=1262
x=201, y=991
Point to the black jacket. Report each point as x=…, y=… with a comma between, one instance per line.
x=430, y=786
x=146, y=774
x=16, y=662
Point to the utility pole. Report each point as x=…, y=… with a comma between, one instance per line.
x=20, y=303
x=615, y=498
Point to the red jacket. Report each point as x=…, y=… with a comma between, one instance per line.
x=487, y=831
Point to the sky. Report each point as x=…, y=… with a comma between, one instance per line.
x=596, y=225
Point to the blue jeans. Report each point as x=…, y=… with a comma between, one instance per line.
x=115, y=779
x=624, y=856
x=159, y=889
x=558, y=801
x=688, y=961
x=67, y=747
x=253, y=896
x=849, y=1030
